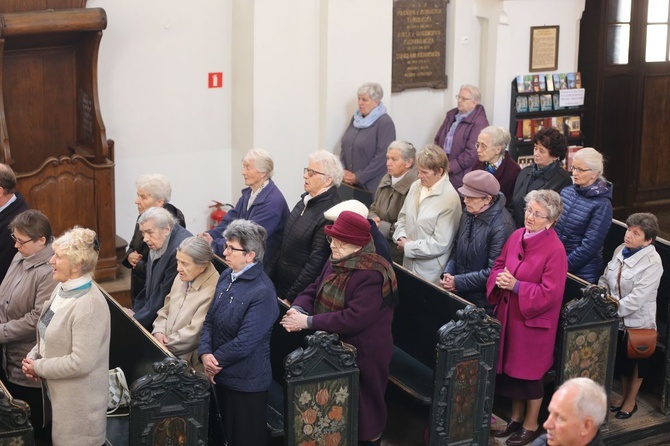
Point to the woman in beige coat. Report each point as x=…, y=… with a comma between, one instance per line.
x=24, y=290
x=72, y=351
x=179, y=322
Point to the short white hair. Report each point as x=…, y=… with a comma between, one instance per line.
x=156, y=185
x=262, y=161
x=474, y=91
x=593, y=160
x=591, y=399
x=330, y=164
x=373, y=89
x=161, y=217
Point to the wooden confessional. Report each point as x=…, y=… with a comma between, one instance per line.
x=51, y=129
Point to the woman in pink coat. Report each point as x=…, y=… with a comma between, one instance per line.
x=526, y=287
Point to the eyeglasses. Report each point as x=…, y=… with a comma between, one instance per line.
x=536, y=215
x=462, y=98
x=310, y=172
x=579, y=169
x=21, y=242
x=333, y=241
x=230, y=248
x=482, y=145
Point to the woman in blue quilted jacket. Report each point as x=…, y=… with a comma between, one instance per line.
x=587, y=215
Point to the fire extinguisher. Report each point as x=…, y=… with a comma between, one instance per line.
x=218, y=213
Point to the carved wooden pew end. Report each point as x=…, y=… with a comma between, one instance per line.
x=15, y=427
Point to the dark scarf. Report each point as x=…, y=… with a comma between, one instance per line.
x=539, y=171
x=330, y=296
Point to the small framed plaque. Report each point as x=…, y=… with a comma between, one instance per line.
x=543, y=48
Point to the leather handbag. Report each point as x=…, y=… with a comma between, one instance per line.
x=119, y=395
x=641, y=342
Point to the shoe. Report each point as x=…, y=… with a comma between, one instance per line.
x=523, y=436
x=511, y=427
x=626, y=415
x=614, y=408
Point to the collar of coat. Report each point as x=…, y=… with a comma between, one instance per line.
x=404, y=184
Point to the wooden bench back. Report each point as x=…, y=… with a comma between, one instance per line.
x=15, y=427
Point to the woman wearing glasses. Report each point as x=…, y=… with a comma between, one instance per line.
x=458, y=134
x=546, y=172
x=235, y=341
x=588, y=215
x=526, y=288
x=304, y=249
x=494, y=158
x=25, y=288
x=354, y=297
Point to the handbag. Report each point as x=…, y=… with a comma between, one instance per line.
x=641, y=342
x=119, y=395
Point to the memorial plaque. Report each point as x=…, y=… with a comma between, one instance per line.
x=419, y=44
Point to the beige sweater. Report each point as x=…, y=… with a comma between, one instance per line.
x=183, y=314
x=76, y=368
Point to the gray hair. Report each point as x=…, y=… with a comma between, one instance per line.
x=549, y=199
x=591, y=399
x=250, y=235
x=157, y=185
x=161, y=217
x=330, y=164
x=262, y=161
x=373, y=89
x=592, y=158
x=198, y=249
x=499, y=136
x=407, y=150
x=645, y=221
x=474, y=91
x=80, y=246
x=432, y=157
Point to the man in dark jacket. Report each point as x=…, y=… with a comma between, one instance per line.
x=576, y=412
x=484, y=228
x=11, y=205
x=163, y=236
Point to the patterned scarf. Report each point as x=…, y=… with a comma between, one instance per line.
x=449, y=140
x=363, y=122
x=332, y=292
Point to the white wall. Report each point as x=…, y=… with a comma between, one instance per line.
x=153, y=65
x=291, y=70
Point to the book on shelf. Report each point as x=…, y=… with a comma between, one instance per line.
x=563, y=81
x=527, y=130
x=545, y=102
x=543, y=82
x=522, y=104
x=578, y=80
x=534, y=103
x=519, y=84
x=519, y=130
x=550, y=82
x=556, y=99
x=571, y=80
x=536, y=82
x=571, y=154
x=524, y=161
x=558, y=123
x=557, y=81
x=528, y=83
x=574, y=126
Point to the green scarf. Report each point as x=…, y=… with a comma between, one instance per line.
x=330, y=296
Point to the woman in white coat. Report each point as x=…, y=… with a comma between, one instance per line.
x=429, y=219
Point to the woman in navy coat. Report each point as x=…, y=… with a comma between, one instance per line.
x=587, y=215
x=354, y=297
x=235, y=341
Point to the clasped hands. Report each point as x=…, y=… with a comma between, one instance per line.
x=211, y=366
x=294, y=320
x=28, y=369
x=505, y=280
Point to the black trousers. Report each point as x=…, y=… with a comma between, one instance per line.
x=244, y=416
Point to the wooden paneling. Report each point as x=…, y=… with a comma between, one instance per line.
x=38, y=5
x=655, y=141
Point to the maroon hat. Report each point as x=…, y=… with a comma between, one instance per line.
x=350, y=227
x=479, y=184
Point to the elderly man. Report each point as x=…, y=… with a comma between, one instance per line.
x=163, y=236
x=576, y=412
x=11, y=205
x=458, y=134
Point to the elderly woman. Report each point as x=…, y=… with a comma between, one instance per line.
x=235, y=342
x=153, y=190
x=261, y=201
x=72, y=351
x=484, y=228
x=364, y=143
x=162, y=235
x=458, y=134
x=179, y=323
x=303, y=248
x=392, y=190
x=26, y=287
x=428, y=221
x=354, y=297
x=549, y=148
x=494, y=158
x=632, y=277
x=588, y=215
x=526, y=287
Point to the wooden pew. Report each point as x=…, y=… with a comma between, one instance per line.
x=347, y=192
x=15, y=427
x=445, y=355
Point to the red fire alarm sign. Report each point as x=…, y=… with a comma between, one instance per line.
x=215, y=80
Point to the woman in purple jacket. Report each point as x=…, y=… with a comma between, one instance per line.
x=354, y=297
x=458, y=134
x=526, y=285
